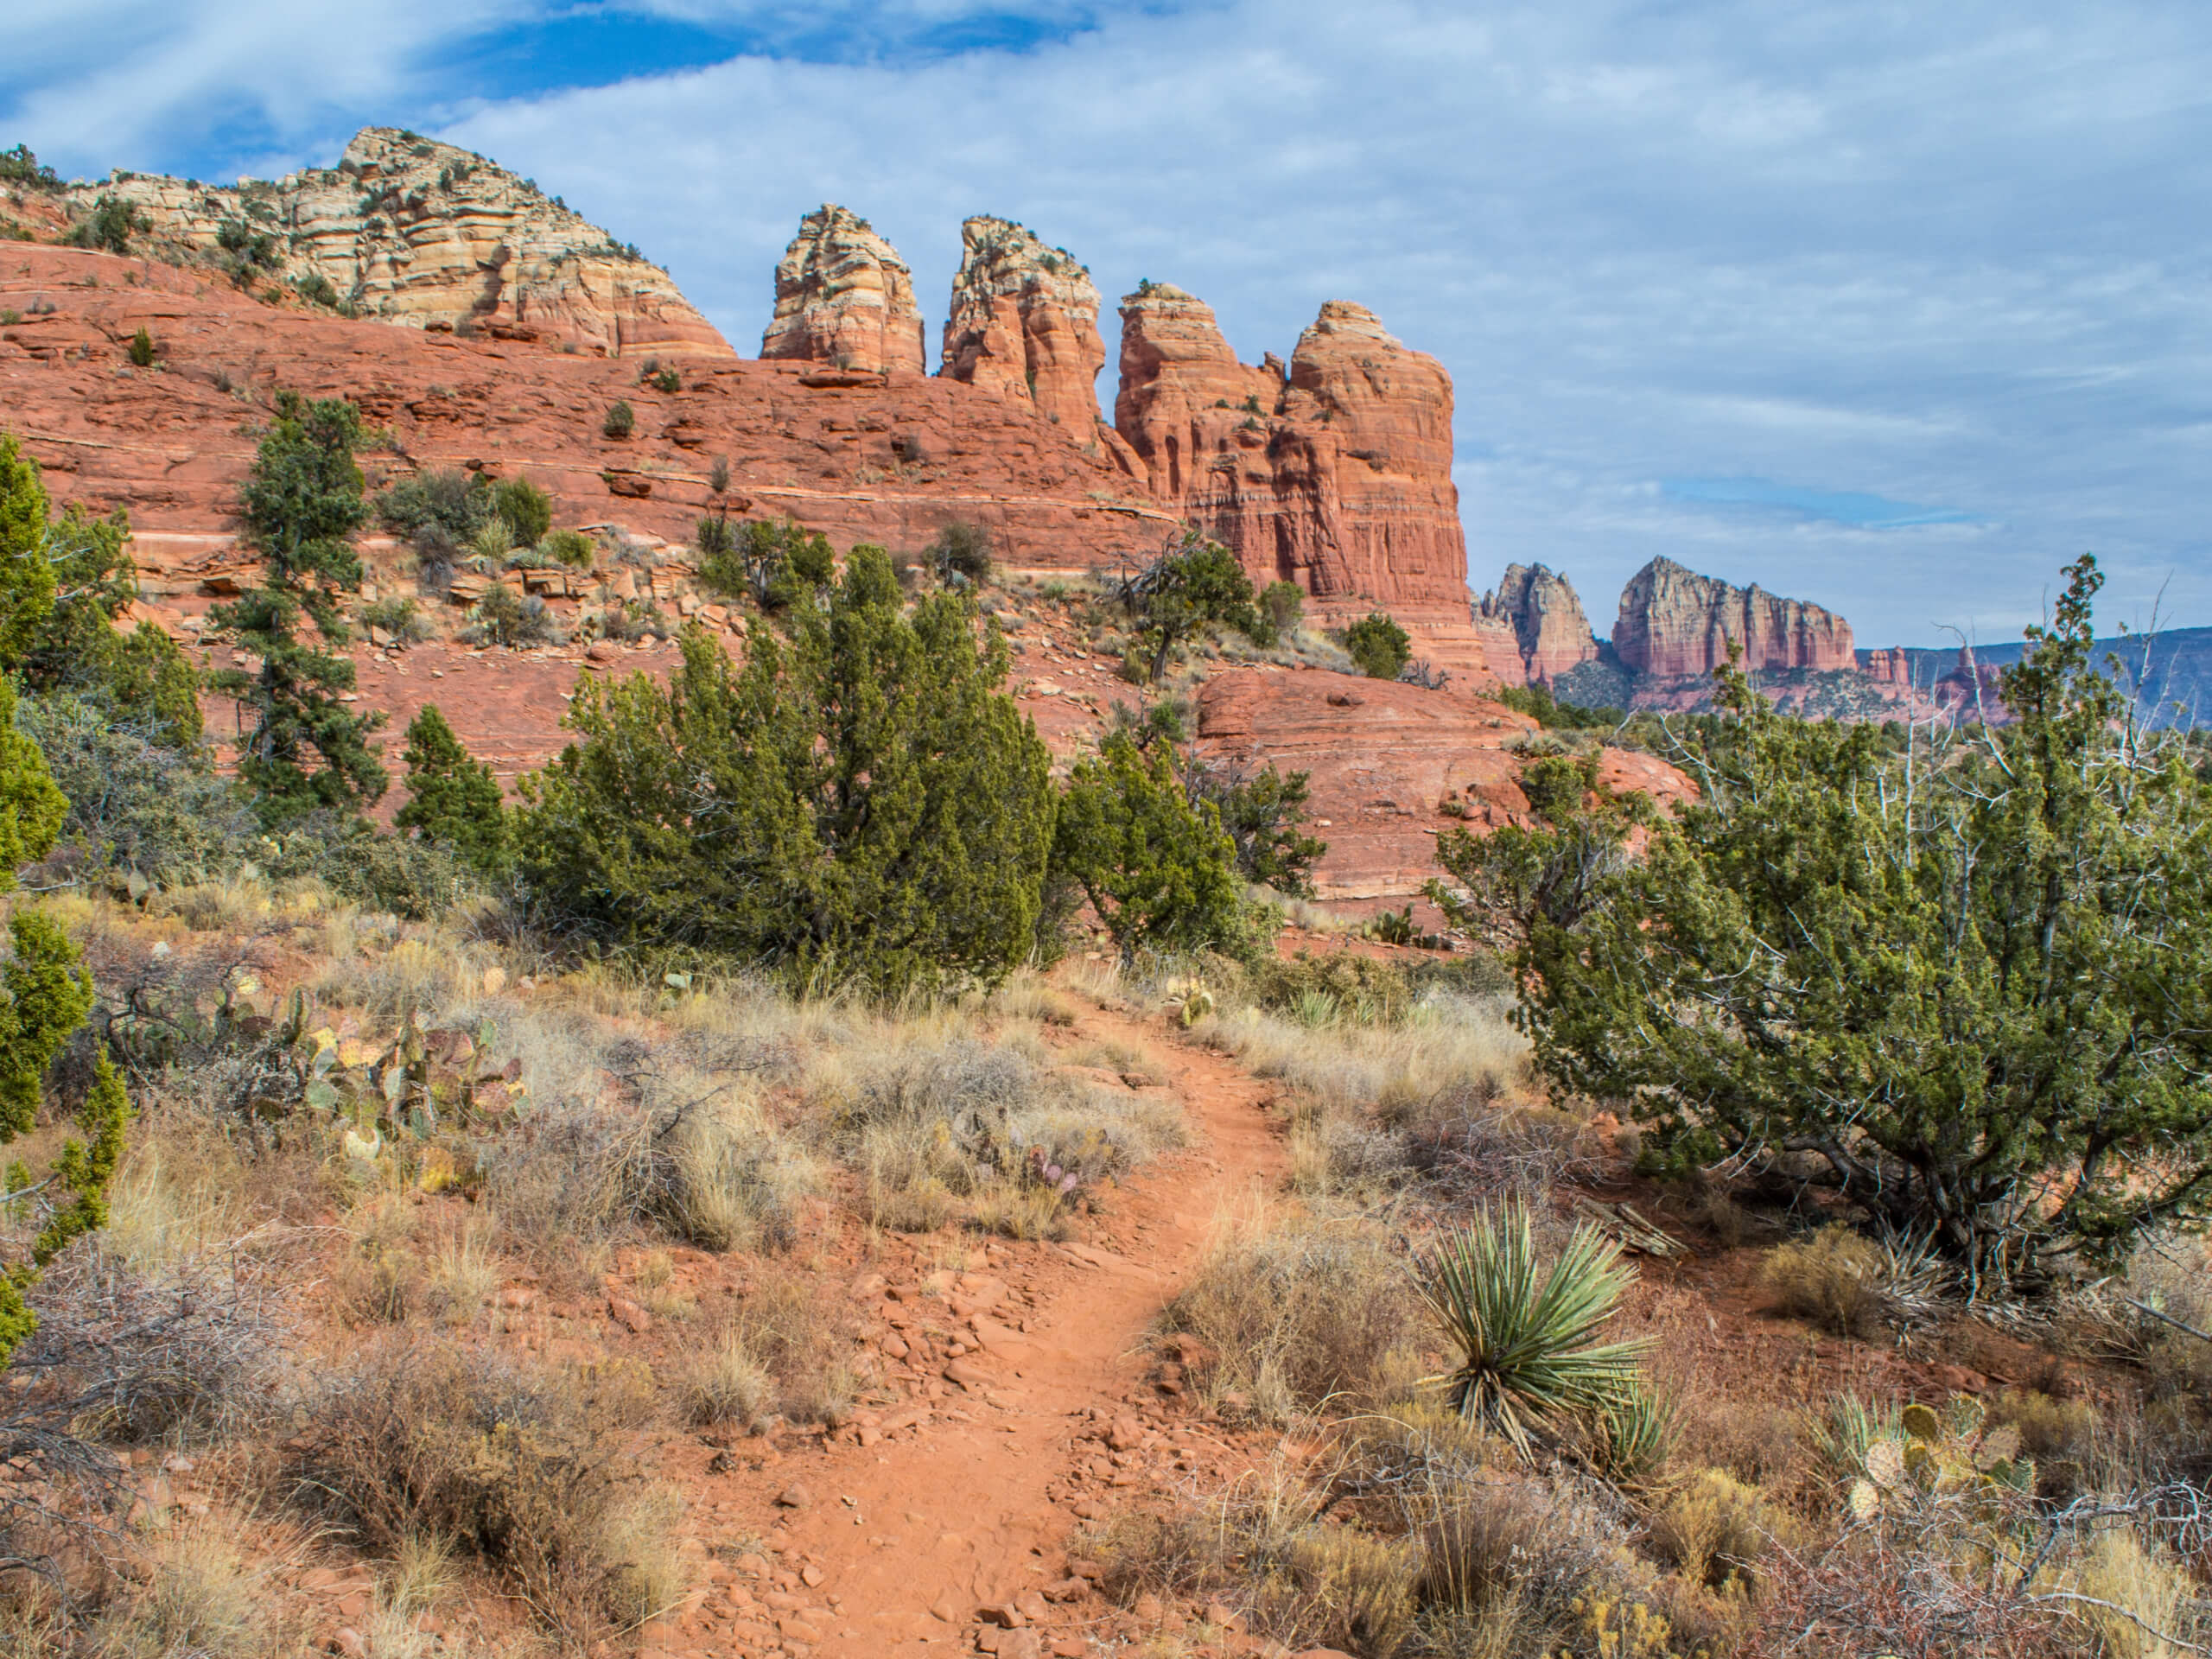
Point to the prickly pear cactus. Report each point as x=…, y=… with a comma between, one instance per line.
x=1950, y=1455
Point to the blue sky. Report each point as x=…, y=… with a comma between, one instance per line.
x=1893, y=307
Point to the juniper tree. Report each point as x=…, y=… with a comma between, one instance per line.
x=1967, y=984
x=860, y=802
x=1156, y=866
x=1378, y=645
x=453, y=798
x=304, y=749
x=1191, y=584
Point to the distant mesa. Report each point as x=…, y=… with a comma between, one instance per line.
x=1675, y=624
x=845, y=298
x=406, y=230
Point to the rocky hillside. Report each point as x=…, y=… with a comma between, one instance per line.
x=1534, y=621
x=405, y=230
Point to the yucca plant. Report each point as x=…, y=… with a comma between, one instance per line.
x=1524, y=1333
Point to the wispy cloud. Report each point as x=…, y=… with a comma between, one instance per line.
x=1893, y=256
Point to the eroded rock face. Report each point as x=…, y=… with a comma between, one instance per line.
x=844, y=297
x=1675, y=624
x=1890, y=665
x=1333, y=471
x=408, y=230
x=1535, y=614
x=1024, y=323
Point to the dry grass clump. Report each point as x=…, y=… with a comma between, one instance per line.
x=199, y=1597
x=941, y=1124
x=531, y=1469
x=1294, y=1317
x=1833, y=1279
x=727, y=1383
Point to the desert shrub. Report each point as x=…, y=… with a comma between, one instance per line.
x=2060, y=1435
x=1157, y=870
x=531, y=1470
x=571, y=548
x=399, y=617
x=773, y=563
x=1967, y=916
x=419, y=880
x=1526, y=1346
x=440, y=510
x=1292, y=1317
x=1193, y=583
x=1540, y=705
x=525, y=509
x=619, y=421
x=1282, y=606
x=873, y=807
x=961, y=549
x=507, y=616
x=318, y=290
x=141, y=352
x=1378, y=645
x=21, y=169
x=110, y=226
x=1712, y=1528
x=135, y=803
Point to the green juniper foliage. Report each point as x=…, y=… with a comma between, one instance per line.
x=859, y=801
x=1262, y=813
x=1194, y=582
x=773, y=562
x=1157, y=868
x=1378, y=645
x=1964, y=982
x=452, y=799
x=304, y=750
x=525, y=509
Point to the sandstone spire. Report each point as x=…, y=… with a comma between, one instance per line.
x=844, y=297
x=1024, y=323
x=1536, y=614
x=1675, y=624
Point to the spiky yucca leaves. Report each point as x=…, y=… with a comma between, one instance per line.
x=1525, y=1332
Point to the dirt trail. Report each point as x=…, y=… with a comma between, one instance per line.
x=896, y=1545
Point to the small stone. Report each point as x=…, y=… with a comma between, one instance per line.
x=794, y=1497
x=1032, y=1607
x=1020, y=1645
x=629, y=1315
x=1004, y=1614
x=1088, y=1509
x=1126, y=1434
x=811, y=1576
x=1149, y=1608
x=947, y=1607
x=347, y=1640
x=967, y=1376
x=1070, y=1647
x=517, y=1296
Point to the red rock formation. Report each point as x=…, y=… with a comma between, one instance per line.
x=1390, y=766
x=1024, y=324
x=844, y=297
x=409, y=230
x=1535, y=614
x=1334, y=474
x=1675, y=624
x=1890, y=665
x=873, y=461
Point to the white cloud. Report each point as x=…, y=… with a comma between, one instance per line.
x=1951, y=256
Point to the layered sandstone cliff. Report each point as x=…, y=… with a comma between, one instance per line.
x=405, y=230
x=1024, y=323
x=845, y=298
x=1889, y=665
x=1675, y=624
x=1536, y=618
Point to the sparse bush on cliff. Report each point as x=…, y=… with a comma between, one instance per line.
x=1282, y=607
x=111, y=225
x=142, y=349
x=773, y=562
x=507, y=616
x=440, y=510
x=571, y=548
x=21, y=169
x=1193, y=583
x=1262, y=813
x=527, y=509
x=858, y=802
x=1378, y=645
x=961, y=549
x=1963, y=987
x=620, y=420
